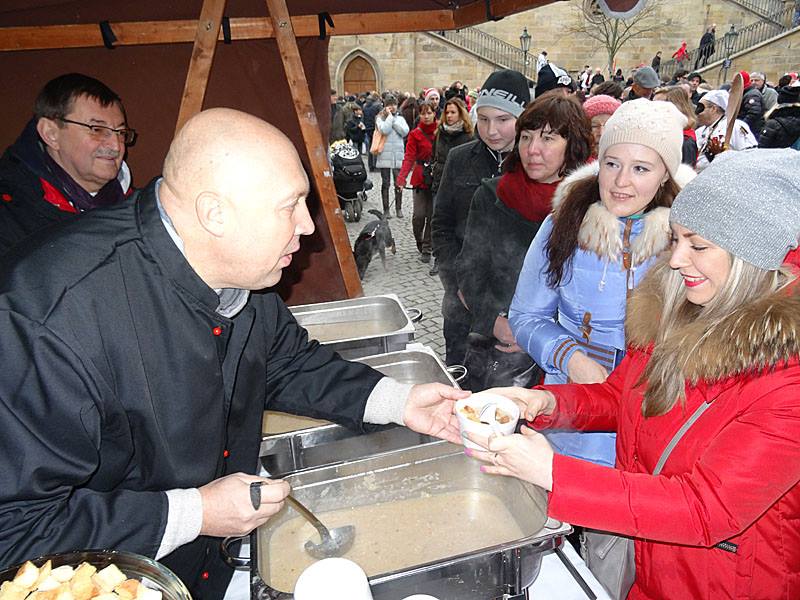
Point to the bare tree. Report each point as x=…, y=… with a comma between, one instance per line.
x=610, y=33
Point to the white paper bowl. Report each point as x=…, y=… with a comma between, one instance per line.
x=478, y=402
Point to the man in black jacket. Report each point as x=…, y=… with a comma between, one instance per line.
x=138, y=364
x=502, y=99
x=752, y=108
x=67, y=160
x=371, y=109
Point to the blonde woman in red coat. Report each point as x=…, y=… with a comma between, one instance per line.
x=718, y=321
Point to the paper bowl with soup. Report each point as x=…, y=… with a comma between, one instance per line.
x=485, y=413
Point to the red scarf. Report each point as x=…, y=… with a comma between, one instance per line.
x=531, y=199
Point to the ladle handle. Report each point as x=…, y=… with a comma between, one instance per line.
x=299, y=507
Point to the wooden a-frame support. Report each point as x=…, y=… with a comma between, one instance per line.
x=316, y=147
x=192, y=102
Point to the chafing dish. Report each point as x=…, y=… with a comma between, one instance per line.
x=359, y=326
x=293, y=443
x=424, y=471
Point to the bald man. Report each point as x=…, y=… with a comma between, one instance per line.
x=137, y=363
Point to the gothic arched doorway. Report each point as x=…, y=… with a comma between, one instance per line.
x=359, y=76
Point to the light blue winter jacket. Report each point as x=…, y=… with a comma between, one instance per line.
x=395, y=128
x=588, y=305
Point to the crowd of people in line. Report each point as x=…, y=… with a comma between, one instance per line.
x=609, y=241
x=546, y=225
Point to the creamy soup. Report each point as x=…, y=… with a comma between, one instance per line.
x=328, y=332
x=397, y=535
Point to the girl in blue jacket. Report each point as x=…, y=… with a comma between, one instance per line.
x=610, y=220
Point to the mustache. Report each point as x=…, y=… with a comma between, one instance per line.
x=107, y=153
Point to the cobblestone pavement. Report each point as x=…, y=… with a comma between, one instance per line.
x=404, y=275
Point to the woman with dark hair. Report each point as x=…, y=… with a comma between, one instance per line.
x=553, y=137
x=706, y=403
x=418, y=154
x=392, y=125
x=609, y=222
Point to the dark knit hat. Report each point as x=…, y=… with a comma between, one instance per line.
x=506, y=90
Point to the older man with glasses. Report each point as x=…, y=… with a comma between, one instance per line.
x=68, y=159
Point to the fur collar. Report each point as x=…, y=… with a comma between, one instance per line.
x=600, y=230
x=778, y=107
x=757, y=336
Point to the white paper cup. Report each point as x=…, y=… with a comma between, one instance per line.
x=477, y=402
x=420, y=597
x=333, y=579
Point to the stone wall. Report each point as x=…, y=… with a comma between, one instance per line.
x=412, y=61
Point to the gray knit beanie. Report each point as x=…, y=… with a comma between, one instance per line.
x=759, y=223
x=656, y=125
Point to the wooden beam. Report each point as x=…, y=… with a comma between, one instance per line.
x=205, y=43
x=49, y=37
x=317, y=148
x=475, y=13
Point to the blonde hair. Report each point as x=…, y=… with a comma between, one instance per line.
x=664, y=374
x=677, y=96
x=462, y=114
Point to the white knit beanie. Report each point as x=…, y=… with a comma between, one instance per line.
x=657, y=125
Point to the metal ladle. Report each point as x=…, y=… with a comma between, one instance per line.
x=334, y=542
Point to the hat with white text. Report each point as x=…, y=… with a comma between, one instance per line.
x=505, y=90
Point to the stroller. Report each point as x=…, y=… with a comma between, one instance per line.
x=350, y=179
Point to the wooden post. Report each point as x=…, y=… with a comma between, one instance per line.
x=205, y=44
x=317, y=148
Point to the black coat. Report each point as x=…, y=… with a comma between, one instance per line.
x=496, y=241
x=466, y=166
x=782, y=126
x=442, y=145
x=23, y=209
x=121, y=381
x=371, y=110
x=752, y=109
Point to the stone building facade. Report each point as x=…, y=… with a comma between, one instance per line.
x=411, y=61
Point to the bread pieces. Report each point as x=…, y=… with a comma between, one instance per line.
x=68, y=583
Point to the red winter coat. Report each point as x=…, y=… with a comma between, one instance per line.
x=732, y=477
x=419, y=149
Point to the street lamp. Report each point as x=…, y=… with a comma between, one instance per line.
x=525, y=44
x=729, y=41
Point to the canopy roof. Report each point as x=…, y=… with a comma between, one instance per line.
x=164, y=60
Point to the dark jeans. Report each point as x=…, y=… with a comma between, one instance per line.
x=421, y=219
x=368, y=141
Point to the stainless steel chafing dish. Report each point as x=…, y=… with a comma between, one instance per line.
x=294, y=443
x=359, y=326
x=424, y=471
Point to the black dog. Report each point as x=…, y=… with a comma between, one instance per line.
x=374, y=238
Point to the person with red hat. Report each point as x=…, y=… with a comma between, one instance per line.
x=752, y=109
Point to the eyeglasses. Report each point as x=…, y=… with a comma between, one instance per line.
x=700, y=108
x=101, y=132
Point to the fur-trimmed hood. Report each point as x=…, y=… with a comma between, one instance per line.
x=759, y=335
x=600, y=230
x=780, y=107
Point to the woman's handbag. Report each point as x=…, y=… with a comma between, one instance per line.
x=488, y=367
x=610, y=557
x=378, y=142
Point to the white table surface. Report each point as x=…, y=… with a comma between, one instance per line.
x=554, y=580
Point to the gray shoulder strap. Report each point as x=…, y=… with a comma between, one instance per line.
x=678, y=435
